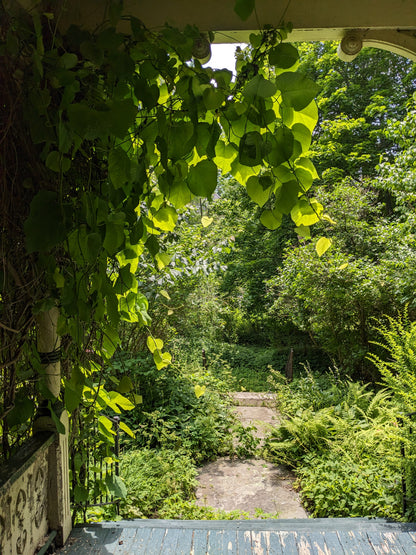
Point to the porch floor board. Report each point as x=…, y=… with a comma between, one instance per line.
x=335, y=536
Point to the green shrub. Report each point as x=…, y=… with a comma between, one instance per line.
x=171, y=415
x=342, y=439
x=333, y=485
x=152, y=478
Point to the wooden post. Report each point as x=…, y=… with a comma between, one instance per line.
x=48, y=348
x=289, y=367
x=48, y=344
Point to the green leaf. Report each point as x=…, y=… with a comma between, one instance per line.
x=80, y=494
x=56, y=162
x=116, y=486
x=297, y=89
x=22, y=411
x=162, y=259
x=256, y=191
x=45, y=226
x=303, y=135
x=72, y=397
x=162, y=359
x=213, y=98
x=202, y=178
x=259, y=86
x=278, y=147
x=283, y=56
x=244, y=8
x=125, y=385
x=306, y=213
x=114, y=233
x=105, y=426
x=287, y=196
x=120, y=117
x=303, y=231
x=93, y=246
x=165, y=218
x=180, y=139
x=251, y=149
x=118, y=167
x=68, y=60
x=322, y=245
x=271, y=219
x=57, y=421
x=120, y=400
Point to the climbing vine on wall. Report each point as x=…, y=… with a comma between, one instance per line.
x=106, y=136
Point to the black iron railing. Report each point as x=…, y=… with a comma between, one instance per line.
x=96, y=475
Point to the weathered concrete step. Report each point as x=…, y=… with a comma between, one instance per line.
x=253, y=399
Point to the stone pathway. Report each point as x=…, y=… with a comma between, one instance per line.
x=247, y=485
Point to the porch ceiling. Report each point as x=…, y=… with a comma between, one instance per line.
x=382, y=23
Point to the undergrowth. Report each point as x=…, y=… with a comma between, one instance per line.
x=342, y=439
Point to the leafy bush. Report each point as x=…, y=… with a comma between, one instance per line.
x=171, y=415
x=334, y=485
x=152, y=477
x=343, y=441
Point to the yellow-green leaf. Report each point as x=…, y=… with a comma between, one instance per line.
x=206, y=221
x=126, y=429
x=322, y=245
x=154, y=344
x=199, y=390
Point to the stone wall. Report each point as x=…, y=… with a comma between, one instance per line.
x=24, y=497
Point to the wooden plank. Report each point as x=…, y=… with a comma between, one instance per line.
x=155, y=541
x=139, y=541
x=244, y=542
x=318, y=544
x=355, y=543
x=406, y=541
x=304, y=545
x=215, y=542
x=332, y=542
x=260, y=542
x=200, y=542
x=384, y=543
x=184, y=546
x=91, y=541
x=230, y=541
x=275, y=545
x=288, y=542
x=121, y=542
x=170, y=541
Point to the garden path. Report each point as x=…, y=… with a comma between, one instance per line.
x=247, y=485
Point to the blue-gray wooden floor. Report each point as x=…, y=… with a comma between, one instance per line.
x=257, y=537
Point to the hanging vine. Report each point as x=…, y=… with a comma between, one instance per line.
x=105, y=136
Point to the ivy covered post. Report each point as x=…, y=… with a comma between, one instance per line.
x=52, y=418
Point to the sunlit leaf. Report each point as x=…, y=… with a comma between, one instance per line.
x=297, y=89
x=271, y=219
x=259, y=86
x=206, y=221
x=199, y=390
x=154, y=344
x=322, y=245
x=256, y=191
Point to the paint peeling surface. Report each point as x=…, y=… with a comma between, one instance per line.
x=336, y=536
